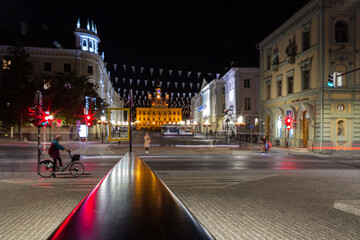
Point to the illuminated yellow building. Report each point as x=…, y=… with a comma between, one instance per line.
x=158, y=114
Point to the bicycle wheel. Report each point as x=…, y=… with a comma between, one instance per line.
x=45, y=168
x=76, y=169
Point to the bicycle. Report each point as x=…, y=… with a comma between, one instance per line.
x=45, y=167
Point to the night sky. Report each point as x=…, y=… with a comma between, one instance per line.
x=189, y=35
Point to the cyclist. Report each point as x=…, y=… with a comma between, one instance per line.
x=54, y=151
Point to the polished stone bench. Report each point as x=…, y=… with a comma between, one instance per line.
x=130, y=202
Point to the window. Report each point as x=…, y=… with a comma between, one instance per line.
x=247, y=104
x=306, y=40
x=305, y=37
x=268, y=60
x=47, y=66
x=246, y=83
x=223, y=90
x=67, y=67
x=341, y=31
x=268, y=90
x=290, y=81
x=6, y=64
x=90, y=70
x=306, y=80
x=84, y=43
x=279, y=88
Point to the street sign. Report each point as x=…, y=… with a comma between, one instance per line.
x=251, y=126
x=78, y=125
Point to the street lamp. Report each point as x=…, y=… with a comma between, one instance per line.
x=102, y=126
x=206, y=124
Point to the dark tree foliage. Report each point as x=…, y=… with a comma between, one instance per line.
x=64, y=96
x=17, y=86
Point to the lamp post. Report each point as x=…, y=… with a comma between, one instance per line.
x=102, y=126
x=227, y=130
x=206, y=124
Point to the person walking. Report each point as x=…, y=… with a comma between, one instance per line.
x=263, y=142
x=147, y=142
x=54, y=151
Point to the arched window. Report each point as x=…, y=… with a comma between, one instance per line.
x=279, y=126
x=341, y=31
x=84, y=45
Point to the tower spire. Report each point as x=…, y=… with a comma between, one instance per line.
x=78, y=23
x=88, y=25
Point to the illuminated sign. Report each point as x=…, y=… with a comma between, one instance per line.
x=83, y=131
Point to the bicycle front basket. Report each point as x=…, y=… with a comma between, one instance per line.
x=76, y=157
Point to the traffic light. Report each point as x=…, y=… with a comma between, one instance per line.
x=38, y=116
x=331, y=80
x=31, y=111
x=88, y=120
x=288, y=122
x=47, y=119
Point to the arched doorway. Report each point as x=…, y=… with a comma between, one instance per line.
x=305, y=128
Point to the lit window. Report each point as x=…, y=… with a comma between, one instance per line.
x=6, y=64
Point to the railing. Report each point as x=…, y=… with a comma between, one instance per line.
x=130, y=202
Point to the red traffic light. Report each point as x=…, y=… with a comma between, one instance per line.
x=288, y=122
x=88, y=120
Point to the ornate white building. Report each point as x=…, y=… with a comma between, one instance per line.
x=207, y=107
x=242, y=99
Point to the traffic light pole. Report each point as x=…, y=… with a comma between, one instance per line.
x=38, y=137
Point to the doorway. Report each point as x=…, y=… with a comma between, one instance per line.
x=305, y=128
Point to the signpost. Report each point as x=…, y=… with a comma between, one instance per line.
x=251, y=128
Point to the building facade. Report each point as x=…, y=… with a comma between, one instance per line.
x=158, y=114
x=295, y=63
x=83, y=60
x=208, y=107
x=242, y=100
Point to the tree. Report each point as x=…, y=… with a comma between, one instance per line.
x=64, y=96
x=17, y=86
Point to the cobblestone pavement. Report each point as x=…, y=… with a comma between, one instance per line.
x=231, y=204
x=272, y=204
